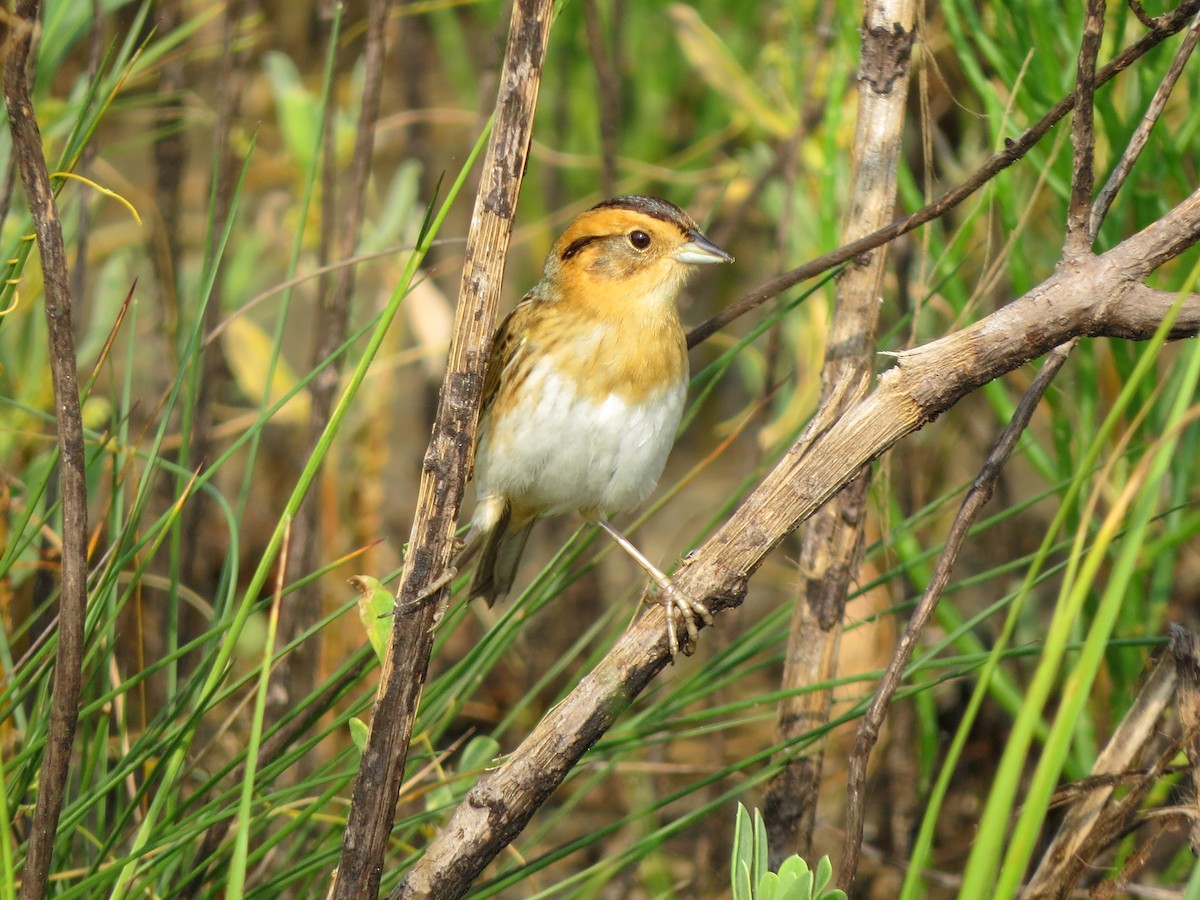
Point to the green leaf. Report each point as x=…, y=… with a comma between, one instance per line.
x=375, y=605
x=795, y=881
x=794, y=865
x=823, y=876
x=761, y=850
x=743, y=853
x=358, y=733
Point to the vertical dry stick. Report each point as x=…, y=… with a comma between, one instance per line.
x=64, y=712
x=833, y=539
x=1142, y=134
x=976, y=498
x=197, y=564
x=446, y=461
x=1083, y=137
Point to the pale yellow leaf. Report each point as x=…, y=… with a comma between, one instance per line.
x=248, y=351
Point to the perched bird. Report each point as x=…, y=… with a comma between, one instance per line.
x=585, y=388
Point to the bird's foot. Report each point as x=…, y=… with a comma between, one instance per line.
x=679, y=607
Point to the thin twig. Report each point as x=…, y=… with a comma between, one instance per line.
x=1140, y=11
x=443, y=480
x=1141, y=134
x=64, y=701
x=976, y=498
x=1083, y=135
x=1014, y=149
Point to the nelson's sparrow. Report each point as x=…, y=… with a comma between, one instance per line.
x=585, y=388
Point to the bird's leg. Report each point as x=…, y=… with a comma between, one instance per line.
x=676, y=604
x=436, y=585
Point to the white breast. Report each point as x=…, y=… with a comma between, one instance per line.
x=564, y=452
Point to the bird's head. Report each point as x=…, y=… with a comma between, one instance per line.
x=629, y=250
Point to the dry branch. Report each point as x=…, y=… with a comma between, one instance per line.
x=377, y=787
x=1092, y=297
x=1074, y=845
x=64, y=703
x=832, y=546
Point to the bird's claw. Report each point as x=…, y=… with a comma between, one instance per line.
x=679, y=607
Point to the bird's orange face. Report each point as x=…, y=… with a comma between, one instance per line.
x=628, y=257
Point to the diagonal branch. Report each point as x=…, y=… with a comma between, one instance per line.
x=1098, y=296
x=64, y=712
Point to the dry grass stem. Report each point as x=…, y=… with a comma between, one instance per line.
x=833, y=540
x=72, y=604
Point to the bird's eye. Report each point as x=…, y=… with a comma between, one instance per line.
x=639, y=239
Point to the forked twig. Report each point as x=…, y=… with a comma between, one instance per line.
x=977, y=497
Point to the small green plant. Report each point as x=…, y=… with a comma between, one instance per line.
x=753, y=881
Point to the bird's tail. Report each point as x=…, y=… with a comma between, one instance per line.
x=503, y=545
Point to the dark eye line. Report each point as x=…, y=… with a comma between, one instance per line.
x=577, y=245
x=638, y=238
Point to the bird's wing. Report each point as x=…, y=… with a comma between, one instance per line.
x=506, y=351
x=505, y=357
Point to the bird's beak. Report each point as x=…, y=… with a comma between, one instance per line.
x=700, y=251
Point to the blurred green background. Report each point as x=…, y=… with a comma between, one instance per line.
x=198, y=129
